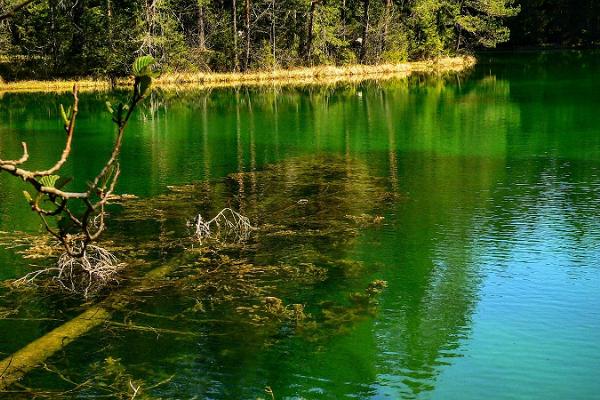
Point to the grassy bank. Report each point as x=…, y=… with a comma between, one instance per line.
x=322, y=74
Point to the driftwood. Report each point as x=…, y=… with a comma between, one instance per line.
x=35, y=353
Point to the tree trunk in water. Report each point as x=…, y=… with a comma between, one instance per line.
x=20, y=363
x=365, y=33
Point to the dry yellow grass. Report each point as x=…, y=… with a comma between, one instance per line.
x=52, y=86
x=321, y=74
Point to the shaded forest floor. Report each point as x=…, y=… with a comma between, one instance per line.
x=308, y=75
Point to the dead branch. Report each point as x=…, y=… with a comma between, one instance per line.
x=227, y=224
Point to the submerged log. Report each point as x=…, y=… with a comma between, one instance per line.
x=18, y=364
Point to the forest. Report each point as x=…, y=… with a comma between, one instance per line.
x=65, y=38
x=556, y=23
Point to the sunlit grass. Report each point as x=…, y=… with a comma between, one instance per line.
x=320, y=74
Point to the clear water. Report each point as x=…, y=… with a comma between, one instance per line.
x=490, y=243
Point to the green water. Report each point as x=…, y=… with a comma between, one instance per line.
x=489, y=183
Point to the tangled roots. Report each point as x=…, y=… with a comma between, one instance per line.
x=83, y=275
x=227, y=225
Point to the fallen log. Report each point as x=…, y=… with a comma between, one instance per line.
x=18, y=364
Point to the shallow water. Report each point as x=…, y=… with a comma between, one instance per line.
x=489, y=183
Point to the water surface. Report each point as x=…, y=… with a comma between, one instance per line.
x=489, y=183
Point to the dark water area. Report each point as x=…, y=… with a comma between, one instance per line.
x=488, y=182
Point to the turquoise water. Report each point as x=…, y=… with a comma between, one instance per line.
x=489, y=182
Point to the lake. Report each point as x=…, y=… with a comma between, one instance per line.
x=475, y=196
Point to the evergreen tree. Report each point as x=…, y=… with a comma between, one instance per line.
x=54, y=38
x=483, y=21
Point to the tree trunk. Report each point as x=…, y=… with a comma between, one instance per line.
x=343, y=16
x=386, y=22
x=236, y=62
x=201, y=27
x=20, y=363
x=247, y=22
x=309, y=34
x=110, y=71
x=459, y=28
x=76, y=48
x=365, y=33
x=10, y=13
x=273, y=36
x=54, y=48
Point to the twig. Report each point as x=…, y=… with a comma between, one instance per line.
x=135, y=389
x=228, y=223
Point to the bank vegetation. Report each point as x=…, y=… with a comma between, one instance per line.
x=293, y=76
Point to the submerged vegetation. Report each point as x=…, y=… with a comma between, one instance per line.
x=303, y=216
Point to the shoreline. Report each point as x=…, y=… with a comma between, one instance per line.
x=308, y=75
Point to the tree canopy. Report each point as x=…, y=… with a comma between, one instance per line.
x=54, y=38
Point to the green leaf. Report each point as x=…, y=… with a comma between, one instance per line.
x=141, y=66
x=109, y=107
x=63, y=114
x=27, y=196
x=49, y=181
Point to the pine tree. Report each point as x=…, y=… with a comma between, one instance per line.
x=482, y=22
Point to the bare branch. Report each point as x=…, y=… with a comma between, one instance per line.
x=21, y=160
x=70, y=128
